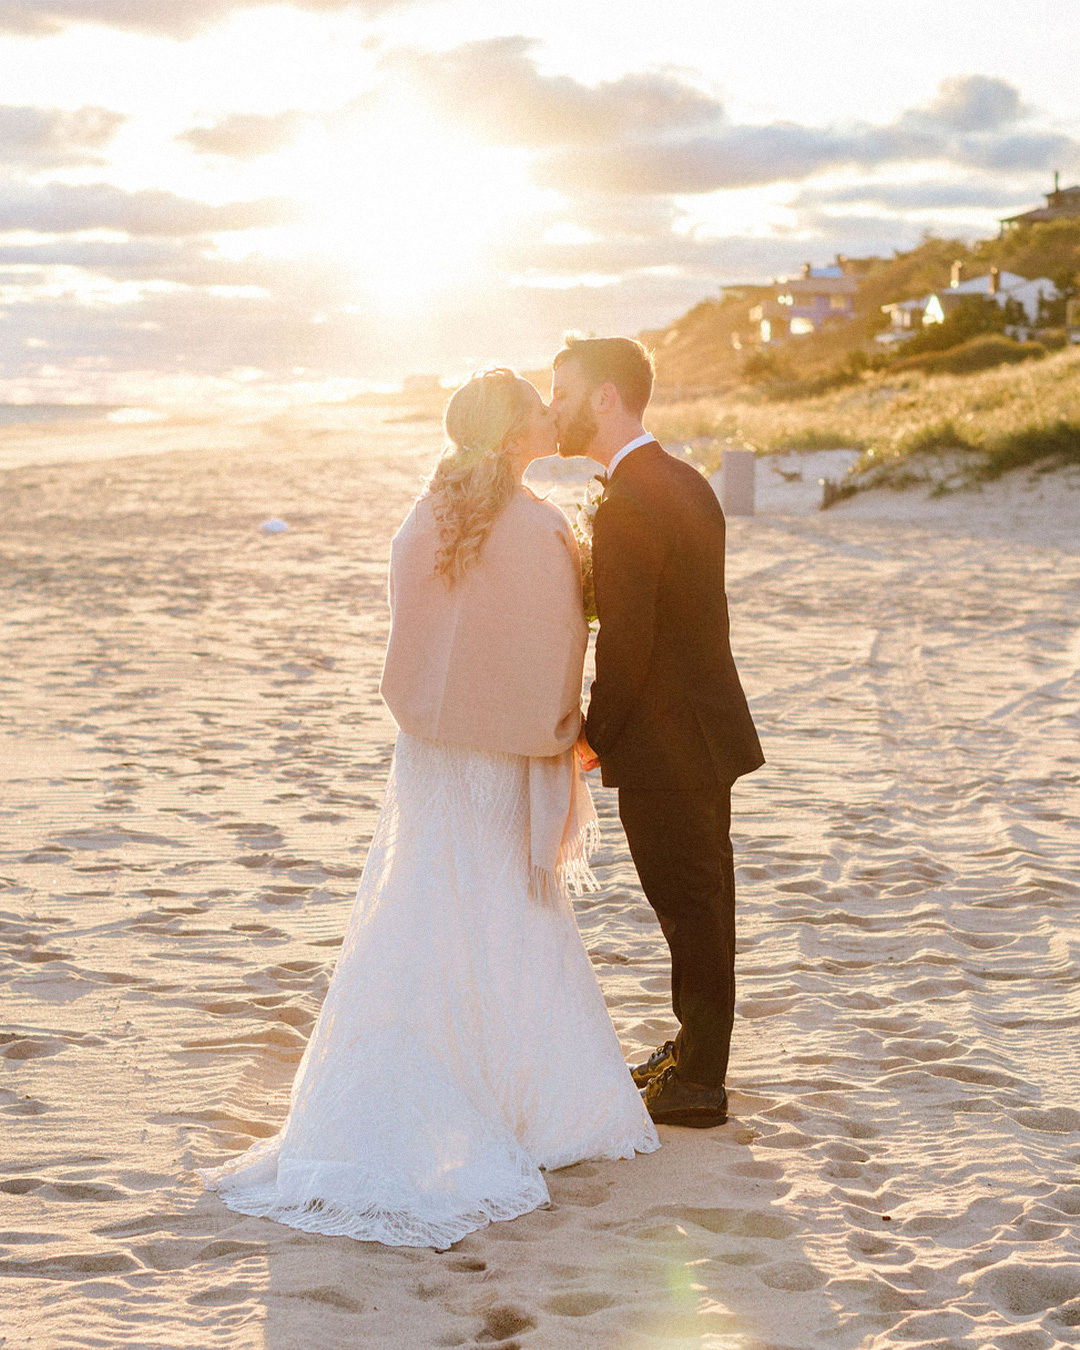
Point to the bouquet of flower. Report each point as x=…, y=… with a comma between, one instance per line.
x=583, y=532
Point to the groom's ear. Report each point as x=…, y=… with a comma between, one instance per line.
x=605, y=398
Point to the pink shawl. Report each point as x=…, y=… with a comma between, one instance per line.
x=495, y=663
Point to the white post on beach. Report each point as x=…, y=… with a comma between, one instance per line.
x=737, y=482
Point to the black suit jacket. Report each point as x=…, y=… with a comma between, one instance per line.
x=667, y=709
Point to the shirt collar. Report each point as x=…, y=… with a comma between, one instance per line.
x=620, y=455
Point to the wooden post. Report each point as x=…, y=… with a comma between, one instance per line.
x=737, y=473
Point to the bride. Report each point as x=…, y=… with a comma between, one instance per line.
x=463, y=1046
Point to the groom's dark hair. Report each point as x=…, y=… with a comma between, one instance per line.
x=623, y=362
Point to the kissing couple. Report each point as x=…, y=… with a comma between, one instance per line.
x=463, y=1046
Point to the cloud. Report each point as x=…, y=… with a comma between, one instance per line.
x=494, y=88
x=246, y=135
x=695, y=263
x=654, y=133
x=73, y=337
x=970, y=103
x=187, y=261
x=700, y=262
x=73, y=334
x=736, y=157
x=60, y=208
x=165, y=299
x=915, y=196
x=752, y=156
x=53, y=138
x=159, y=18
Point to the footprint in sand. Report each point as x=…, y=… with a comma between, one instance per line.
x=20, y=1185
x=581, y=1303
x=1068, y=1315
x=331, y=1297
x=1064, y=1200
x=76, y=1263
x=61, y=1190
x=1058, y=1120
x=742, y=1258
x=581, y=1196
x=30, y=1047
x=502, y=1322
x=739, y=1223
x=842, y=1152
x=792, y=1276
x=1022, y=1288
x=467, y=1265
x=255, y=835
x=225, y=1247
x=222, y=1295
x=12, y=1104
x=84, y=1190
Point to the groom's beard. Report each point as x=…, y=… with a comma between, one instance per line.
x=580, y=433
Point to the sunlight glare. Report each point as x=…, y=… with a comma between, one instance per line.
x=411, y=208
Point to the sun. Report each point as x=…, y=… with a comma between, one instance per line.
x=410, y=207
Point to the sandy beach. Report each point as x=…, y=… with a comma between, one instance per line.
x=192, y=755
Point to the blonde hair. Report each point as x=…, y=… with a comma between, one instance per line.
x=475, y=479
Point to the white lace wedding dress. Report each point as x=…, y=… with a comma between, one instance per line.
x=463, y=1044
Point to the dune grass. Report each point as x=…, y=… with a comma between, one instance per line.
x=989, y=422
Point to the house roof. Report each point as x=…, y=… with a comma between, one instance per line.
x=838, y=285
x=1059, y=203
x=1009, y=283
x=906, y=304
x=1040, y=213
x=981, y=285
x=770, y=309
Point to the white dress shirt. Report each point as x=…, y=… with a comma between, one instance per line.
x=618, y=457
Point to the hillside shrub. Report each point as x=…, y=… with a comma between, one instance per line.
x=813, y=438
x=765, y=367
x=933, y=438
x=1053, y=339
x=980, y=353
x=973, y=316
x=790, y=391
x=1049, y=248
x=1056, y=443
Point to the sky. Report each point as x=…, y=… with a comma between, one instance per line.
x=228, y=201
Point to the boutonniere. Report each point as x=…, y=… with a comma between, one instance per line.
x=583, y=532
x=594, y=495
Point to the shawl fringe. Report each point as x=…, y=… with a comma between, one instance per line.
x=573, y=873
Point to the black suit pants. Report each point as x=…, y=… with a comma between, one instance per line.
x=681, y=845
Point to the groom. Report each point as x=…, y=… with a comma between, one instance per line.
x=667, y=721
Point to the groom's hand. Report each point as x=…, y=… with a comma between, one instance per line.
x=588, y=756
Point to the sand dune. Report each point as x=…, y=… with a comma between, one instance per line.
x=192, y=751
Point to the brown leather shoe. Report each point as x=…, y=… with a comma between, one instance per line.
x=658, y=1061
x=670, y=1101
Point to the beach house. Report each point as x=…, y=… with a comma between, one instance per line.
x=905, y=319
x=1022, y=300
x=1001, y=287
x=1061, y=204
x=805, y=303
